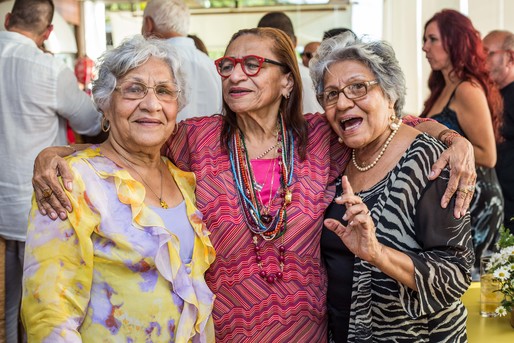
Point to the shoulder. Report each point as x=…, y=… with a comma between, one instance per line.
x=211, y=123
x=425, y=149
x=469, y=91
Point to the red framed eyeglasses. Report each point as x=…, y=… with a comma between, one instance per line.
x=251, y=64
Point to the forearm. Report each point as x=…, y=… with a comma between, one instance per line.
x=397, y=265
x=431, y=127
x=485, y=157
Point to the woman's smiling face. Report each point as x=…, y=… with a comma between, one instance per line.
x=146, y=122
x=261, y=93
x=359, y=121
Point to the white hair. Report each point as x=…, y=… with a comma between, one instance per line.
x=169, y=15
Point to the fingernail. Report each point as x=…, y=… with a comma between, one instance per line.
x=345, y=217
x=69, y=185
x=432, y=173
x=68, y=208
x=458, y=215
x=43, y=212
x=62, y=215
x=53, y=215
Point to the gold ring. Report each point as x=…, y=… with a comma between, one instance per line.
x=471, y=188
x=47, y=193
x=463, y=190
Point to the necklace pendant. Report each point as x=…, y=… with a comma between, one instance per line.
x=163, y=204
x=288, y=197
x=266, y=218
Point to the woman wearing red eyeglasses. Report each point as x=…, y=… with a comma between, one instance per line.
x=263, y=172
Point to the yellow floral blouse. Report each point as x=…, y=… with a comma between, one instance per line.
x=112, y=272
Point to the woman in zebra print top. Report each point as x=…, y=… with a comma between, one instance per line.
x=401, y=263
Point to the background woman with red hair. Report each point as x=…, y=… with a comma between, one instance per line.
x=464, y=98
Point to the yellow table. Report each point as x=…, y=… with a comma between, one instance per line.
x=485, y=330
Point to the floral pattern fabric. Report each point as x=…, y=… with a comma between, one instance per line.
x=112, y=272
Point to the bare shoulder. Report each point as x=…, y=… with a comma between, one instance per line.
x=470, y=95
x=469, y=91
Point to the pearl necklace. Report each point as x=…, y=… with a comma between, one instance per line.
x=374, y=163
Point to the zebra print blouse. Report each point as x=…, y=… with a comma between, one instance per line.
x=405, y=208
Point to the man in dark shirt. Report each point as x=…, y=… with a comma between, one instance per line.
x=499, y=47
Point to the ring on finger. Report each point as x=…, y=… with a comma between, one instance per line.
x=463, y=190
x=47, y=193
x=471, y=188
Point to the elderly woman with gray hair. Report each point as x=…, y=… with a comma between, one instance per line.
x=397, y=262
x=128, y=264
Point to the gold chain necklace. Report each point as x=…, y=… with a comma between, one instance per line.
x=386, y=144
x=162, y=202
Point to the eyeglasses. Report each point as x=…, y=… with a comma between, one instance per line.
x=251, y=65
x=308, y=55
x=133, y=90
x=353, y=91
x=490, y=53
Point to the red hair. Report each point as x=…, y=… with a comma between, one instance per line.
x=463, y=44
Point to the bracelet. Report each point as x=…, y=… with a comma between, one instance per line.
x=447, y=136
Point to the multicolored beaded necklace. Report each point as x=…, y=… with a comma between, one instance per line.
x=256, y=215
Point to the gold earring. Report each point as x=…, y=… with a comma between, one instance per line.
x=340, y=140
x=106, y=124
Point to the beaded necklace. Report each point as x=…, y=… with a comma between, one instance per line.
x=267, y=226
x=257, y=217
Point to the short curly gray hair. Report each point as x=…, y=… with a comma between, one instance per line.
x=130, y=54
x=377, y=55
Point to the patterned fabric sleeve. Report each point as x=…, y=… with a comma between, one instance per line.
x=58, y=270
x=442, y=268
x=414, y=121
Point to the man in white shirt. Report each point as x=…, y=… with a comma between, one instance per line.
x=279, y=20
x=39, y=94
x=169, y=19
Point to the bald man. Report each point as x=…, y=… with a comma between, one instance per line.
x=308, y=51
x=499, y=47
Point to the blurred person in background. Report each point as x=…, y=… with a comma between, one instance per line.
x=336, y=31
x=499, y=47
x=200, y=45
x=169, y=20
x=308, y=51
x=280, y=20
x=39, y=95
x=464, y=98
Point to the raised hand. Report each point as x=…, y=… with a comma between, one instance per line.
x=359, y=235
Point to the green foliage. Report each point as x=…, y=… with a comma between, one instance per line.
x=506, y=238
